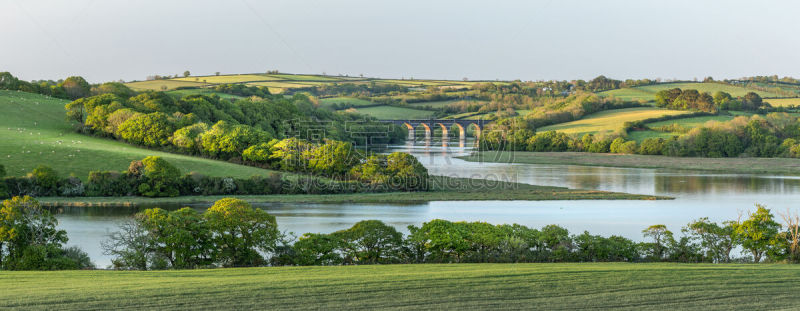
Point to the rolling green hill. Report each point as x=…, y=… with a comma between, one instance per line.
x=34, y=131
x=574, y=286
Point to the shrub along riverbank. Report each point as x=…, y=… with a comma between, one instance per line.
x=155, y=181
x=728, y=165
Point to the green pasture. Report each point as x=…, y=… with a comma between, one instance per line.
x=395, y=113
x=647, y=92
x=34, y=131
x=691, y=122
x=327, y=102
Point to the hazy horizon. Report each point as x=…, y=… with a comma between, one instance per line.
x=507, y=40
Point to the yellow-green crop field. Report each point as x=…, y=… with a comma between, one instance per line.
x=783, y=102
x=609, y=121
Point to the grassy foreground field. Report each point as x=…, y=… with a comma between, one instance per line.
x=608, y=121
x=728, y=165
x=618, y=286
x=34, y=131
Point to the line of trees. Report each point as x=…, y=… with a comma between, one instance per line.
x=703, y=101
x=773, y=135
x=155, y=177
x=232, y=233
x=30, y=239
x=73, y=87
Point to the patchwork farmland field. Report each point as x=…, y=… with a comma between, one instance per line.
x=609, y=121
x=783, y=102
x=229, y=78
x=159, y=85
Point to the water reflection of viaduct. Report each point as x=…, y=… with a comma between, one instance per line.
x=443, y=123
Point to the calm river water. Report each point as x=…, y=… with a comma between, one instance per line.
x=698, y=194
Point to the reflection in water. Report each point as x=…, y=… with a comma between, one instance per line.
x=713, y=195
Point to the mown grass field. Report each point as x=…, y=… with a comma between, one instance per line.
x=690, y=122
x=327, y=102
x=160, y=85
x=395, y=113
x=304, y=77
x=783, y=102
x=609, y=121
x=647, y=92
x=780, y=166
x=228, y=78
x=201, y=91
x=34, y=131
x=639, y=136
x=618, y=286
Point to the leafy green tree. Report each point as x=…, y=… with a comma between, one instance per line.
x=186, y=73
x=93, y=112
x=117, y=118
x=130, y=246
x=115, y=88
x=556, y=240
x=332, y=158
x=29, y=236
x=46, y=180
x=186, y=137
x=76, y=87
x=180, y=236
x=227, y=140
x=662, y=240
x=373, y=170
x=371, y=242
x=161, y=179
x=440, y=241
x=759, y=233
x=239, y=232
x=150, y=130
x=261, y=153
x=290, y=154
x=718, y=241
x=314, y=249
x=406, y=172
x=752, y=101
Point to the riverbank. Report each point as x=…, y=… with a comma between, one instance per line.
x=423, y=286
x=443, y=189
x=781, y=166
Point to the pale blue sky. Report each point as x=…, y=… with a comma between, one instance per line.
x=529, y=40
